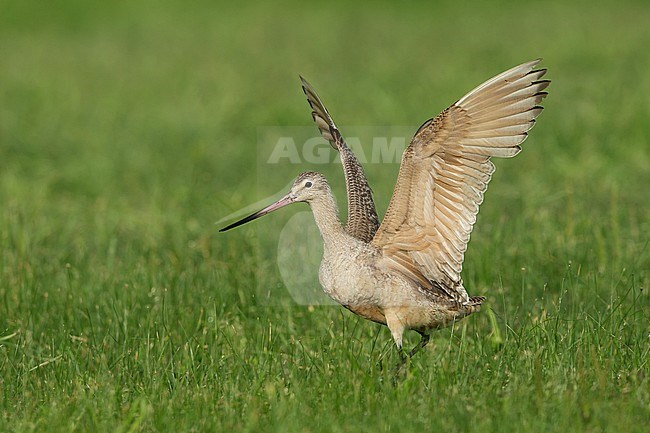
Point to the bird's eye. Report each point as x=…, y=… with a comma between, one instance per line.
x=307, y=184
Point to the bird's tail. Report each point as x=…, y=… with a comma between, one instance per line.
x=474, y=304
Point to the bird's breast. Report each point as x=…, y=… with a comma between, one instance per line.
x=350, y=278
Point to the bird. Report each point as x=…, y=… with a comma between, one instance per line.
x=405, y=273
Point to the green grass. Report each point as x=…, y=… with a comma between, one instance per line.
x=128, y=128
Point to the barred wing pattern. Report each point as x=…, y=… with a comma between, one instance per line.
x=444, y=173
x=362, y=222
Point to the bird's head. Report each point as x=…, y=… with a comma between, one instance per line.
x=307, y=187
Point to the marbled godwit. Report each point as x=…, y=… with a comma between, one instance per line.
x=408, y=275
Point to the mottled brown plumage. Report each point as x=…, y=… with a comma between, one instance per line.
x=445, y=172
x=362, y=222
x=408, y=276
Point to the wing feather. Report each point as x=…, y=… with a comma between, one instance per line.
x=362, y=221
x=444, y=175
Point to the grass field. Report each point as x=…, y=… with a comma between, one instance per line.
x=128, y=128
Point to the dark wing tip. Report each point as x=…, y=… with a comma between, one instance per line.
x=305, y=85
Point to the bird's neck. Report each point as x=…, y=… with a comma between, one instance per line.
x=326, y=214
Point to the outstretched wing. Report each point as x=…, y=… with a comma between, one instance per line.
x=362, y=220
x=445, y=172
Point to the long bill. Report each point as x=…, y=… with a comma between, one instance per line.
x=275, y=206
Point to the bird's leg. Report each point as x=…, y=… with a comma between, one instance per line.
x=423, y=342
x=399, y=371
x=402, y=358
x=397, y=330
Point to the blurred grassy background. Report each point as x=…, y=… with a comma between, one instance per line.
x=128, y=127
